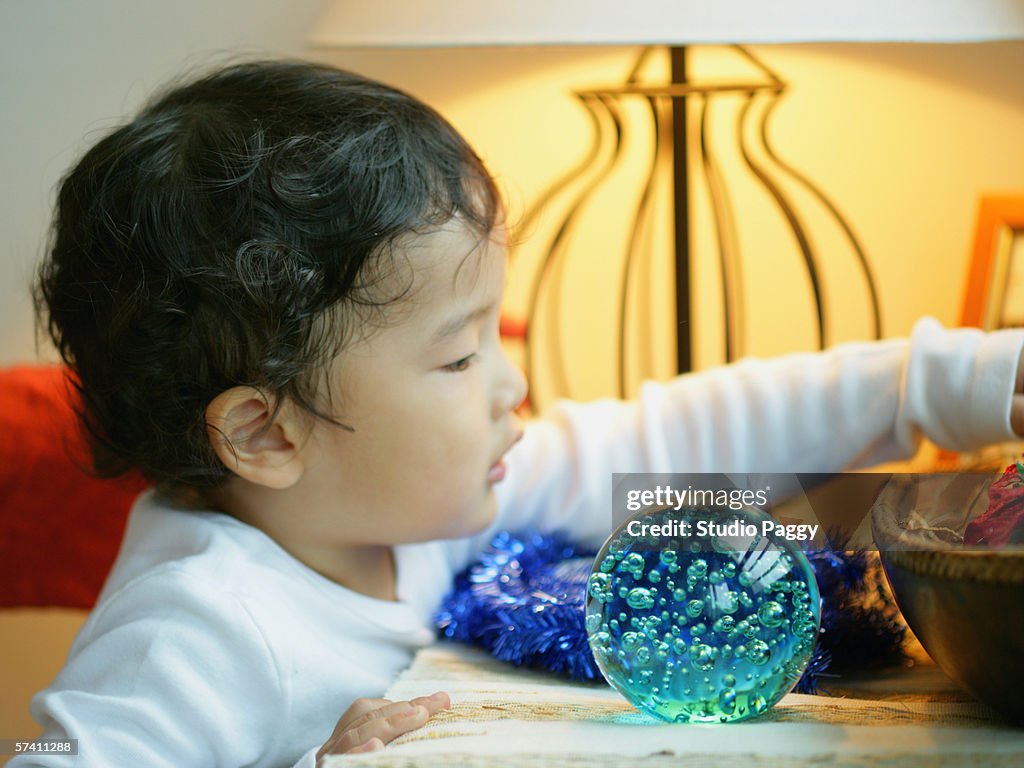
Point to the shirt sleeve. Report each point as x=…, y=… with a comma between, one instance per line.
x=169, y=672
x=853, y=406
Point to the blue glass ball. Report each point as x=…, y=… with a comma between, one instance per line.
x=702, y=615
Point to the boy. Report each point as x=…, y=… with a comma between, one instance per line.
x=278, y=288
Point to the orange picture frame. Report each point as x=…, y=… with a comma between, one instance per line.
x=994, y=297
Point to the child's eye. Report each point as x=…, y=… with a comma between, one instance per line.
x=460, y=365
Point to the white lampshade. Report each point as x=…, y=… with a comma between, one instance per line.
x=428, y=23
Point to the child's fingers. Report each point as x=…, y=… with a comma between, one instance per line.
x=386, y=724
x=379, y=721
x=360, y=708
x=1017, y=403
x=434, y=703
x=1018, y=384
x=1017, y=414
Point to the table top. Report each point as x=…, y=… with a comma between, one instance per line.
x=505, y=716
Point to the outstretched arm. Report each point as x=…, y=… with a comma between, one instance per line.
x=853, y=406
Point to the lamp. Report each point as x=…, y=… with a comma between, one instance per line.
x=682, y=150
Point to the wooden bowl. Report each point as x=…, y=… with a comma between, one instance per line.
x=965, y=605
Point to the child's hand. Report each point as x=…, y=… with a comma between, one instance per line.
x=369, y=724
x=1017, y=404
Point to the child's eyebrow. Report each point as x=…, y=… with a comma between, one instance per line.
x=454, y=325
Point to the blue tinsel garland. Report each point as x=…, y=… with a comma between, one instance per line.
x=523, y=601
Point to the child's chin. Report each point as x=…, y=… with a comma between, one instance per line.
x=480, y=518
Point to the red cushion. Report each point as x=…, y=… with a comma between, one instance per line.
x=59, y=527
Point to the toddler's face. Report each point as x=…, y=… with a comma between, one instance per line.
x=430, y=398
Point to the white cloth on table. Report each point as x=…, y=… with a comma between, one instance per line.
x=503, y=717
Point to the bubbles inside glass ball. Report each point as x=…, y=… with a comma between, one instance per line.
x=702, y=615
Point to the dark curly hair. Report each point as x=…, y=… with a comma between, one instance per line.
x=230, y=235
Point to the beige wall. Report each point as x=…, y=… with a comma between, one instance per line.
x=69, y=70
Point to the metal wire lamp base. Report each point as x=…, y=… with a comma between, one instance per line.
x=679, y=114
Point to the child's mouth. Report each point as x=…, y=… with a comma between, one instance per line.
x=497, y=472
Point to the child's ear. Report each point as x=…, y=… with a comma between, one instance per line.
x=252, y=441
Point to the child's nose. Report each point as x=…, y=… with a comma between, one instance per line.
x=512, y=389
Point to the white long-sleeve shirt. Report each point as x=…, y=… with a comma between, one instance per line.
x=212, y=646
